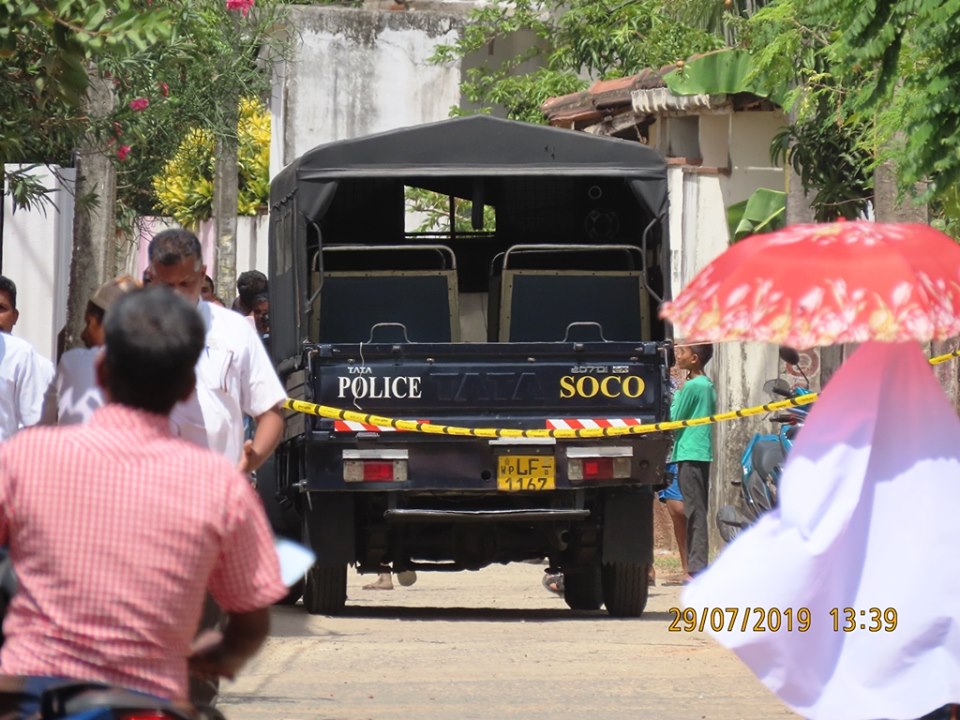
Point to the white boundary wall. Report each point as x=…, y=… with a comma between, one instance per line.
x=37, y=246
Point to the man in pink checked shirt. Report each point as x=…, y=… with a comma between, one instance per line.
x=117, y=529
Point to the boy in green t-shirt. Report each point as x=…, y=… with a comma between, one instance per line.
x=693, y=449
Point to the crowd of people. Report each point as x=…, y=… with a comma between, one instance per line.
x=143, y=431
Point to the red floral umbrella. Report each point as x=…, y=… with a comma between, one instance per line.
x=820, y=284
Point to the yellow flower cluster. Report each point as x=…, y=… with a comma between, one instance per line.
x=253, y=156
x=184, y=188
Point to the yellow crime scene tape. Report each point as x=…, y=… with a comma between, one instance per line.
x=333, y=413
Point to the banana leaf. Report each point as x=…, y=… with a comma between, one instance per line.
x=764, y=211
x=722, y=72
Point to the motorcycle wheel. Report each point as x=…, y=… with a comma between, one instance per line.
x=730, y=523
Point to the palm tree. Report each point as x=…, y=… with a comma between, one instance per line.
x=715, y=16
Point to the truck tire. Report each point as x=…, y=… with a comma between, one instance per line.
x=582, y=588
x=291, y=598
x=625, y=588
x=325, y=589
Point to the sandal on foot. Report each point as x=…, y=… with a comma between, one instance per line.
x=553, y=582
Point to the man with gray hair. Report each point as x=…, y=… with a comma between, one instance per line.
x=234, y=373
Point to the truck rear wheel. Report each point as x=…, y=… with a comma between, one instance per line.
x=296, y=592
x=325, y=589
x=582, y=589
x=625, y=588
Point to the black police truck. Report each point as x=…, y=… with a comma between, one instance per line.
x=540, y=315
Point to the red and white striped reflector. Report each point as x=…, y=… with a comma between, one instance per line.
x=590, y=423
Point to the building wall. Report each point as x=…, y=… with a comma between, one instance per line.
x=37, y=246
x=734, y=148
x=357, y=72
x=750, y=163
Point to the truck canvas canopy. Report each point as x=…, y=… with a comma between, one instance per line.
x=547, y=185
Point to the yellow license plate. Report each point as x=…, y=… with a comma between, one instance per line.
x=526, y=472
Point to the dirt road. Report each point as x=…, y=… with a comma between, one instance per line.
x=489, y=645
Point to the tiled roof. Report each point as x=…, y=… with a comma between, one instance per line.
x=602, y=99
x=637, y=98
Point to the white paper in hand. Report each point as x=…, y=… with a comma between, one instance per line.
x=295, y=560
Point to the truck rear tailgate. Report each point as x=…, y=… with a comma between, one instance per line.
x=525, y=386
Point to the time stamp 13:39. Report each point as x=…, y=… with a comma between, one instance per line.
x=772, y=619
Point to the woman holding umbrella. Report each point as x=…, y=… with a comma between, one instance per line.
x=849, y=616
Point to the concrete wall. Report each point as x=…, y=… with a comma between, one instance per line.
x=750, y=164
x=37, y=245
x=356, y=72
x=734, y=148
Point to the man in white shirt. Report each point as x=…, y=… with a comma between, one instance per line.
x=74, y=393
x=234, y=373
x=24, y=373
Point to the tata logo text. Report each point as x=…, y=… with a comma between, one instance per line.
x=611, y=386
x=365, y=386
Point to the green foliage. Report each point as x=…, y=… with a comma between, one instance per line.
x=435, y=209
x=184, y=186
x=833, y=151
x=190, y=62
x=60, y=38
x=26, y=190
x=905, y=53
x=725, y=71
x=194, y=81
x=574, y=42
x=764, y=211
x=832, y=164
x=45, y=50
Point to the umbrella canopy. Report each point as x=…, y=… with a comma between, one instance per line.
x=820, y=284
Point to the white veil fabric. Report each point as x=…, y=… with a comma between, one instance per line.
x=868, y=517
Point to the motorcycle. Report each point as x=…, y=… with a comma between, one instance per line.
x=763, y=458
x=85, y=700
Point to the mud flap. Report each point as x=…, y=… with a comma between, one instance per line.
x=628, y=526
x=328, y=527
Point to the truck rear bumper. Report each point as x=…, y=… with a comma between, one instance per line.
x=483, y=516
x=472, y=464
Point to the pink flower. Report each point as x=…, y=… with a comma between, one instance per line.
x=164, y=89
x=140, y=104
x=117, y=128
x=122, y=152
x=242, y=5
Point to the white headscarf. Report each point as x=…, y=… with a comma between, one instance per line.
x=868, y=518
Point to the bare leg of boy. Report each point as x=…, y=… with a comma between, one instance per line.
x=679, y=520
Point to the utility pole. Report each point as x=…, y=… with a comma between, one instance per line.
x=94, y=257
x=890, y=208
x=225, y=191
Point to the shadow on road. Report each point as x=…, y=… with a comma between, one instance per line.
x=289, y=619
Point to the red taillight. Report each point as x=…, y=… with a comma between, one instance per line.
x=143, y=715
x=377, y=471
x=598, y=469
x=374, y=470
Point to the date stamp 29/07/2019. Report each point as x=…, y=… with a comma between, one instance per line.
x=773, y=619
